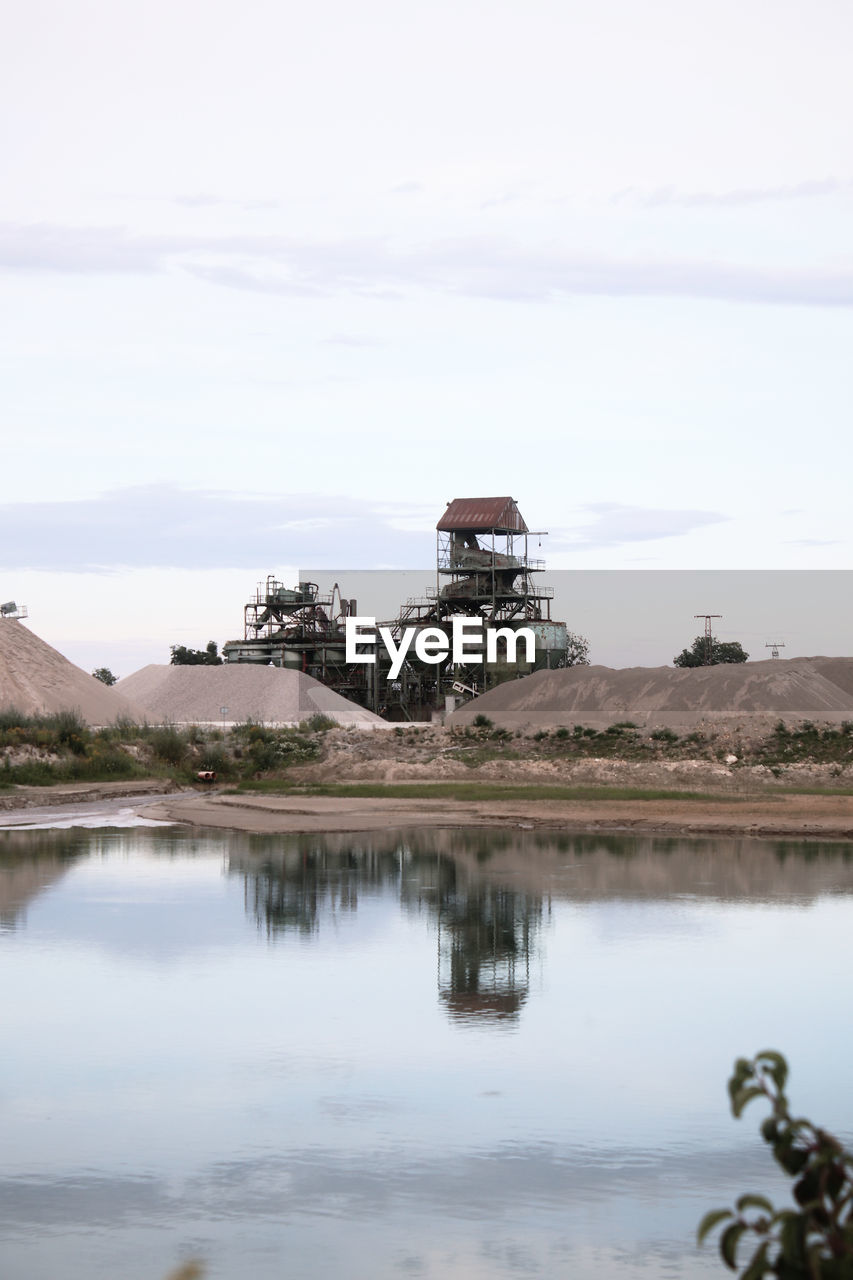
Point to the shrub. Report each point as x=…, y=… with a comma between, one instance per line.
x=70, y=731
x=279, y=750
x=813, y=1240
x=215, y=757
x=482, y=722
x=168, y=745
x=317, y=724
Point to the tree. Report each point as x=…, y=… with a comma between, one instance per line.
x=104, y=675
x=813, y=1240
x=207, y=657
x=721, y=651
x=577, y=650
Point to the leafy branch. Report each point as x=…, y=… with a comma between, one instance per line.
x=814, y=1240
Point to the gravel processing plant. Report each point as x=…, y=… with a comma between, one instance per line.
x=292, y=662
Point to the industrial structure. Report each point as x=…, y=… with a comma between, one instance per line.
x=13, y=611
x=483, y=571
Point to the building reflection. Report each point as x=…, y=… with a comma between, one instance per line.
x=485, y=932
x=485, y=936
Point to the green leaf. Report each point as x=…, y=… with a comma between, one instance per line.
x=710, y=1221
x=770, y=1129
x=759, y=1265
x=807, y=1190
x=754, y=1202
x=778, y=1067
x=729, y=1242
x=743, y=1096
x=792, y=1238
x=792, y=1159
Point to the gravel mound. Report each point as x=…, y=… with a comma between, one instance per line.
x=269, y=695
x=36, y=679
x=796, y=689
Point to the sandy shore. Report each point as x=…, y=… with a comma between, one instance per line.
x=769, y=814
x=778, y=815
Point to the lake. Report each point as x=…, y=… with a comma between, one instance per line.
x=433, y=1054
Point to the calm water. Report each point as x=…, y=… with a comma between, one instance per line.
x=435, y=1054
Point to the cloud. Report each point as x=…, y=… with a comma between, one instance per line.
x=351, y=340
x=472, y=267
x=614, y=525
x=162, y=526
x=812, y=542
x=737, y=196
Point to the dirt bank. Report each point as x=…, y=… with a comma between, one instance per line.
x=80, y=793
x=777, y=815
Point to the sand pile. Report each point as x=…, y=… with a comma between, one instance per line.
x=819, y=689
x=34, y=678
x=271, y=695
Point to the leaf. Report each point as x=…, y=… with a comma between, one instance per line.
x=754, y=1202
x=770, y=1129
x=792, y=1237
x=743, y=1096
x=710, y=1221
x=807, y=1190
x=729, y=1242
x=792, y=1159
x=778, y=1066
x=759, y=1265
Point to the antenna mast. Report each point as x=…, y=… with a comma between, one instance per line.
x=709, y=639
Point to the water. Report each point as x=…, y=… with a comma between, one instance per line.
x=478, y=1054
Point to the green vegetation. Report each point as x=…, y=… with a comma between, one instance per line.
x=266, y=750
x=104, y=675
x=317, y=724
x=42, y=750
x=701, y=654
x=478, y=791
x=207, y=657
x=806, y=741
x=812, y=1239
x=59, y=748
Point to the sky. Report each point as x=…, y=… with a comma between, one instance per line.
x=279, y=281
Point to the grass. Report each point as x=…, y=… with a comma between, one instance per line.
x=476, y=791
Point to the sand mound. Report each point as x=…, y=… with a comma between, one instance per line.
x=34, y=678
x=272, y=695
x=797, y=689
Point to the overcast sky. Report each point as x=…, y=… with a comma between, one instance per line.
x=280, y=280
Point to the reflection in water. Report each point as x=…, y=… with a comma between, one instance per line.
x=174, y=1084
x=484, y=932
x=30, y=863
x=484, y=943
x=485, y=890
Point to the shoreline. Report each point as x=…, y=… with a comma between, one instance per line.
x=813, y=817
x=765, y=815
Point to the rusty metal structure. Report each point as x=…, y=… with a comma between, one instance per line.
x=483, y=570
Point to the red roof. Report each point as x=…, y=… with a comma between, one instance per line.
x=481, y=515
